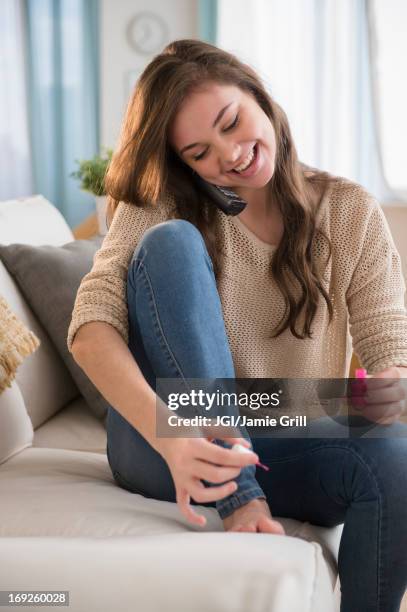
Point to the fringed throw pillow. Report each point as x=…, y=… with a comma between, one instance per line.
x=16, y=343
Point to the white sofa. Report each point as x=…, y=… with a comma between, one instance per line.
x=66, y=525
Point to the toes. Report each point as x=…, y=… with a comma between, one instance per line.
x=268, y=525
x=278, y=528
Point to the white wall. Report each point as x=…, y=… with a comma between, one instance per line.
x=120, y=64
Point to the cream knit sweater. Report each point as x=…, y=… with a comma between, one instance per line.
x=363, y=278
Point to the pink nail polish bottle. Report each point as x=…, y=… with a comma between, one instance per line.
x=360, y=373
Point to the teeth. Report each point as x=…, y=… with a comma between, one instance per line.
x=246, y=163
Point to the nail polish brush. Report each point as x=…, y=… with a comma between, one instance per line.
x=242, y=449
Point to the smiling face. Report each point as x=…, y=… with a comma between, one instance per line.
x=220, y=128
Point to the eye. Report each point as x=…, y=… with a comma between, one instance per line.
x=230, y=127
x=201, y=156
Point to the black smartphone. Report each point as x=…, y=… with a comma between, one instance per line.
x=225, y=199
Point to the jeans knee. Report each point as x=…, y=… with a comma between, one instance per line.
x=385, y=459
x=175, y=242
x=172, y=235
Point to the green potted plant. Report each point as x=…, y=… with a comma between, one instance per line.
x=91, y=173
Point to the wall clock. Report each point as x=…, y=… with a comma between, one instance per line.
x=146, y=33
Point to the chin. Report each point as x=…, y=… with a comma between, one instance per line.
x=258, y=182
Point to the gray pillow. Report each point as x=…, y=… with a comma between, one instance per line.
x=49, y=278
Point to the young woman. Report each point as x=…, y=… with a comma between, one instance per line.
x=181, y=290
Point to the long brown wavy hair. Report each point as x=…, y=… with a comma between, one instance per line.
x=145, y=167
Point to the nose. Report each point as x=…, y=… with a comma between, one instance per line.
x=229, y=154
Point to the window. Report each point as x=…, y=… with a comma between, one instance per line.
x=390, y=69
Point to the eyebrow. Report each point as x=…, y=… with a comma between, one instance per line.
x=215, y=123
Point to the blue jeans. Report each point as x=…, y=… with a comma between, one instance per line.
x=176, y=330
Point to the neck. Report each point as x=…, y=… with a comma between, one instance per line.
x=259, y=201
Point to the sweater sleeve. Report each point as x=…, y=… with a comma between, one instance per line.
x=375, y=298
x=102, y=293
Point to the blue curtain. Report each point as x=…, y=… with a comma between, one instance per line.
x=63, y=93
x=207, y=20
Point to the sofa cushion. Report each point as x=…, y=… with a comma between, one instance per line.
x=16, y=430
x=102, y=508
x=74, y=428
x=33, y=220
x=216, y=572
x=49, y=278
x=71, y=496
x=44, y=381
